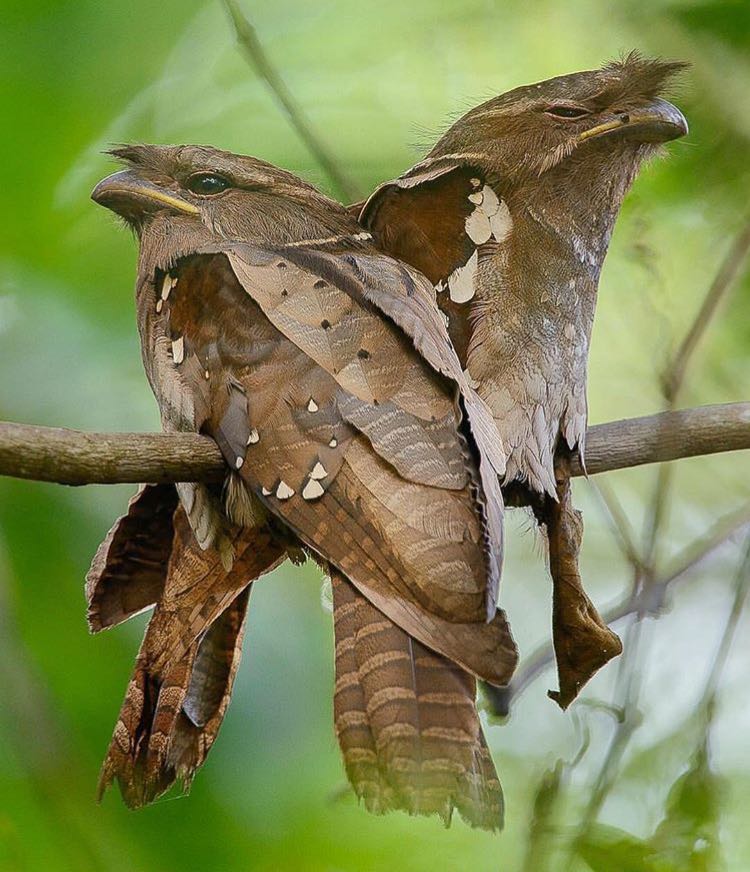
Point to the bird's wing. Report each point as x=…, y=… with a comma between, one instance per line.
x=280, y=408
x=370, y=360
x=183, y=400
x=443, y=217
x=129, y=569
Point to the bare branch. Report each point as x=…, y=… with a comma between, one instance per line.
x=666, y=436
x=75, y=457
x=261, y=63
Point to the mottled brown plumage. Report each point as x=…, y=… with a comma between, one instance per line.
x=129, y=569
x=185, y=669
x=324, y=371
x=510, y=216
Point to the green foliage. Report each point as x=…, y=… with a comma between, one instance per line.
x=686, y=840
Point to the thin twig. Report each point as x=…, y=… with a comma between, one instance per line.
x=729, y=271
x=742, y=589
x=682, y=566
x=261, y=63
x=724, y=529
x=619, y=524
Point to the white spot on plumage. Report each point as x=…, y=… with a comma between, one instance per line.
x=501, y=222
x=327, y=240
x=178, y=350
x=478, y=227
x=475, y=183
x=318, y=471
x=238, y=463
x=490, y=201
x=333, y=443
x=167, y=285
x=312, y=406
x=207, y=375
x=476, y=198
x=569, y=330
x=159, y=306
x=283, y=491
x=226, y=551
x=312, y=490
x=253, y=437
x=461, y=280
x=266, y=492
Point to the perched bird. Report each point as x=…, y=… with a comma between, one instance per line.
x=510, y=216
x=323, y=370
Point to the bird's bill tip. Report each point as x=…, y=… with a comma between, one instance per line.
x=658, y=121
x=130, y=196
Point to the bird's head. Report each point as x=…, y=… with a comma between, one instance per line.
x=607, y=119
x=615, y=110
x=203, y=190
x=559, y=155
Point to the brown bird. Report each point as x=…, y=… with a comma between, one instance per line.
x=324, y=371
x=510, y=216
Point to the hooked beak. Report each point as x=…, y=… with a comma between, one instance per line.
x=659, y=121
x=131, y=197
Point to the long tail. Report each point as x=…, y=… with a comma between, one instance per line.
x=406, y=720
x=168, y=724
x=184, y=673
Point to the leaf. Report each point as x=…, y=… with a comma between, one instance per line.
x=608, y=849
x=657, y=762
x=687, y=839
x=583, y=642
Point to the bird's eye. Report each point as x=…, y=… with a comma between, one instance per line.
x=208, y=183
x=566, y=111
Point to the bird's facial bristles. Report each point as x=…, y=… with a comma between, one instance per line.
x=556, y=155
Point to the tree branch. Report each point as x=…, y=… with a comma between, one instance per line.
x=74, y=457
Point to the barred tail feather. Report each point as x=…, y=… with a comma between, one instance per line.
x=184, y=673
x=168, y=724
x=406, y=720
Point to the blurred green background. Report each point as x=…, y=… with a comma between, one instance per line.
x=378, y=81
